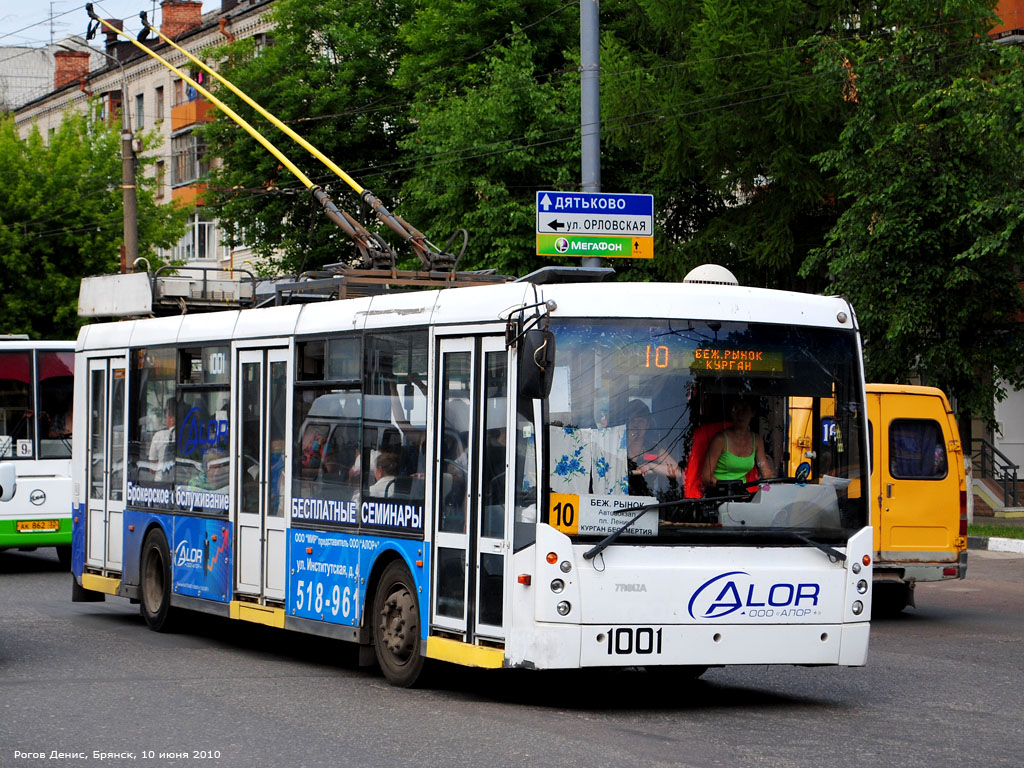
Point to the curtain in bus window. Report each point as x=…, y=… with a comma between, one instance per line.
x=56, y=395
x=916, y=449
x=15, y=405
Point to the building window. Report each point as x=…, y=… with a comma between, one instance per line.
x=179, y=92
x=199, y=242
x=159, y=103
x=110, y=107
x=189, y=156
x=161, y=179
x=140, y=111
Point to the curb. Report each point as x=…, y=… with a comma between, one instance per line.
x=996, y=544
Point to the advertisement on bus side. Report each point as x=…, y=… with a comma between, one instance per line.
x=201, y=559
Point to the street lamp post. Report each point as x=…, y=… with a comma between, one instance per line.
x=130, y=251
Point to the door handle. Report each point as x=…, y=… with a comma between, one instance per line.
x=888, y=491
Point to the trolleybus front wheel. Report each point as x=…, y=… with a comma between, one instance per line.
x=396, y=626
x=155, y=582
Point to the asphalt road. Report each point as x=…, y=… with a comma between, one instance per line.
x=944, y=685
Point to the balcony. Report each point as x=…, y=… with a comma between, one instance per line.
x=189, y=195
x=190, y=112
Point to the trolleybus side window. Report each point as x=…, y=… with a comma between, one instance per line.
x=328, y=408
x=201, y=472
x=395, y=416
x=525, y=530
x=153, y=423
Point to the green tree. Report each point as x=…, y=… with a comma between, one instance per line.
x=329, y=75
x=477, y=159
x=720, y=110
x=61, y=219
x=928, y=246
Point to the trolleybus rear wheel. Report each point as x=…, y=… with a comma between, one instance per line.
x=155, y=582
x=396, y=626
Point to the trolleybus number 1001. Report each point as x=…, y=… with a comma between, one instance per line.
x=625, y=641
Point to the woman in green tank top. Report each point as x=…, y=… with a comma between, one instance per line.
x=733, y=452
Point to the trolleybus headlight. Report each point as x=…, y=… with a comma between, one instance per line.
x=557, y=585
x=862, y=586
x=552, y=557
x=866, y=560
x=563, y=608
x=565, y=566
x=855, y=567
x=857, y=608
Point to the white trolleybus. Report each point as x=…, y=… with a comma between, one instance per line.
x=36, y=391
x=496, y=476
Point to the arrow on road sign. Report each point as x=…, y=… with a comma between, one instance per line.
x=545, y=202
x=556, y=224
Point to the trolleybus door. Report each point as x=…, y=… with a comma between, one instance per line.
x=105, y=462
x=471, y=513
x=261, y=474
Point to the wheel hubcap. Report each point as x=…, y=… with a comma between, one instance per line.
x=398, y=624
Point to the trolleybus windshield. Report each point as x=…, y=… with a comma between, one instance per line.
x=636, y=404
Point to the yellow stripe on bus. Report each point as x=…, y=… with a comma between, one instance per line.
x=104, y=584
x=258, y=614
x=446, y=649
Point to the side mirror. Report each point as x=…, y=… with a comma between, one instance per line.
x=8, y=481
x=536, y=364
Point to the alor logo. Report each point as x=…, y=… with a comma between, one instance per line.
x=734, y=591
x=187, y=555
x=199, y=436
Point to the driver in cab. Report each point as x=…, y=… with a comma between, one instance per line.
x=733, y=452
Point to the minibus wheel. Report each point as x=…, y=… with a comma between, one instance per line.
x=396, y=626
x=155, y=582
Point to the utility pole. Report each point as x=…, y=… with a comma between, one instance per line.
x=590, y=104
x=130, y=251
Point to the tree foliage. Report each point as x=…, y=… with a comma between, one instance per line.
x=855, y=147
x=330, y=75
x=929, y=162
x=61, y=219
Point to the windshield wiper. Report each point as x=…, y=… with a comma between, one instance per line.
x=833, y=553
x=595, y=550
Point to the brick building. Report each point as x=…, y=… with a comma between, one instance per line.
x=157, y=100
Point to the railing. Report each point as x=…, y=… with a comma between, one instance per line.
x=990, y=462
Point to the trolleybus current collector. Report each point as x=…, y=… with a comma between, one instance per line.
x=496, y=476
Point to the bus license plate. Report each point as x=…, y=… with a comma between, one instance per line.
x=25, y=526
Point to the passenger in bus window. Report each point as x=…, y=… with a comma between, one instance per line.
x=162, y=446
x=276, y=478
x=652, y=470
x=215, y=468
x=60, y=423
x=385, y=472
x=733, y=452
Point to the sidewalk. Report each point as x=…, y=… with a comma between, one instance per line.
x=994, y=543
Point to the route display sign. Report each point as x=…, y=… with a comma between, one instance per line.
x=601, y=224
